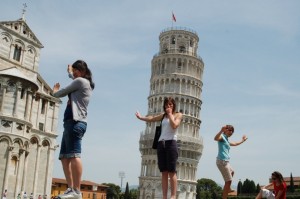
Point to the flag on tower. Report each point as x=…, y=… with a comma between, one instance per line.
x=173, y=17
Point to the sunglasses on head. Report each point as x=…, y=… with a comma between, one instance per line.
x=229, y=129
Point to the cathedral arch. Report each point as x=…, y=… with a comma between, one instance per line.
x=32, y=51
x=18, y=49
x=165, y=48
x=18, y=142
x=34, y=140
x=7, y=139
x=26, y=145
x=6, y=37
x=46, y=143
x=173, y=39
x=5, y=44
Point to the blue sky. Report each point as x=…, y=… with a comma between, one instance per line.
x=251, y=77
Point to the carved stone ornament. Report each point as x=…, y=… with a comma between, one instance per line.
x=20, y=126
x=6, y=123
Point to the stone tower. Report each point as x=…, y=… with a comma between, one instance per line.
x=176, y=71
x=28, y=114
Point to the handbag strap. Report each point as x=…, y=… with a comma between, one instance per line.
x=162, y=118
x=225, y=140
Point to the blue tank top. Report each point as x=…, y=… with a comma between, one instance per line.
x=224, y=147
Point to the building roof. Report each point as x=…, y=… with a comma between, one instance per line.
x=25, y=31
x=295, y=179
x=17, y=73
x=83, y=182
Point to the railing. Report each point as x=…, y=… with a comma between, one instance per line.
x=179, y=28
x=174, y=52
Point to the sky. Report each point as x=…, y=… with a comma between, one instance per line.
x=251, y=77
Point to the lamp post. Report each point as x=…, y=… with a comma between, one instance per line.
x=121, y=175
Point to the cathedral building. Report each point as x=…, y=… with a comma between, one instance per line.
x=28, y=114
x=176, y=71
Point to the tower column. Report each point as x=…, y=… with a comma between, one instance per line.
x=36, y=173
x=24, y=171
x=28, y=104
x=5, y=180
x=16, y=105
x=3, y=98
x=47, y=187
x=38, y=112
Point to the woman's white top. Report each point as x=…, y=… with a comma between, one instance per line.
x=167, y=132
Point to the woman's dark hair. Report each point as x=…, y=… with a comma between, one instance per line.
x=167, y=101
x=82, y=67
x=278, y=176
x=230, y=127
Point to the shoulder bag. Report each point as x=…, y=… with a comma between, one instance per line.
x=157, y=134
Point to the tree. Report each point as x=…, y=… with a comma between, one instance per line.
x=248, y=187
x=239, y=187
x=258, y=188
x=127, y=194
x=252, y=188
x=207, y=188
x=291, y=187
x=134, y=193
x=113, y=191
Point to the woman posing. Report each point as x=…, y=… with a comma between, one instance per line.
x=167, y=152
x=75, y=123
x=277, y=184
x=223, y=156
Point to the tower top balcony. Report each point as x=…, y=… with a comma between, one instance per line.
x=178, y=40
x=178, y=29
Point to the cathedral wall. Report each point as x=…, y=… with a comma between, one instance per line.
x=30, y=52
x=28, y=114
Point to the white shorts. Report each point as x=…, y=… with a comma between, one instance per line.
x=267, y=194
x=225, y=169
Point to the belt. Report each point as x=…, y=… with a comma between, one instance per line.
x=164, y=142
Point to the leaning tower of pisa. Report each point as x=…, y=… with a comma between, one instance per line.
x=176, y=71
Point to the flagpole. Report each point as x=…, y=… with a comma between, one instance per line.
x=172, y=19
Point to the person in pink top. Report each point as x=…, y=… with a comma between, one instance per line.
x=279, y=186
x=4, y=195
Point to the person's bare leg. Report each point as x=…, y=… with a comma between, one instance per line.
x=173, y=182
x=66, y=164
x=226, y=189
x=259, y=195
x=164, y=184
x=231, y=190
x=76, y=167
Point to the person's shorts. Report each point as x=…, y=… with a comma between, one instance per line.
x=267, y=194
x=167, y=155
x=225, y=169
x=71, y=140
